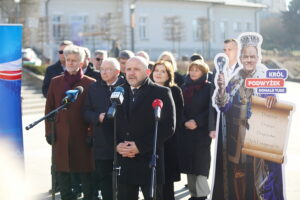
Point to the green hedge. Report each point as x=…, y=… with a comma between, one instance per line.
x=40, y=70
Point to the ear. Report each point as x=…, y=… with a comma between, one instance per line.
x=81, y=64
x=148, y=72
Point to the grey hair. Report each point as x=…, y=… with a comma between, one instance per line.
x=101, y=52
x=87, y=52
x=66, y=42
x=143, y=54
x=74, y=49
x=114, y=62
x=140, y=59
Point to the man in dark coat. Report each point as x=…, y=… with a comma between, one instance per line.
x=136, y=123
x=56, y=69
x=96, y=105
x=72, y=154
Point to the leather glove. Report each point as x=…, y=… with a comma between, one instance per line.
x=89, y=140
x=48, y=138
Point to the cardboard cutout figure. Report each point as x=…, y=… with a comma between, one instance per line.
x=250, y=168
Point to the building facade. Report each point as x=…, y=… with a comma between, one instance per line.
x=180, y=26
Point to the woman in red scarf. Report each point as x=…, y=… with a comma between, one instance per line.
x=194, y=153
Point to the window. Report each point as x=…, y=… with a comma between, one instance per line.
x=196, y=24
x=143, y=32
x=224, y=30
x=249, y=27
x=57, y=26
x=237, y=27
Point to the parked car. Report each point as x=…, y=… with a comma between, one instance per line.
x=30, y=57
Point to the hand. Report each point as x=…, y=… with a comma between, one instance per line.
x=191, y=124
x=212, y=134
x=270, y=101
x=101, y=117
x=221, y=83
x=127, y=149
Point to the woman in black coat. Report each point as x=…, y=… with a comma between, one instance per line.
x=163, y=74
x=194, y=152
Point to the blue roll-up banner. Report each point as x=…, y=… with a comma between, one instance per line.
x=10, y=87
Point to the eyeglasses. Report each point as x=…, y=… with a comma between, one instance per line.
x=105, y=70
x=60, y=51
x=99, y=59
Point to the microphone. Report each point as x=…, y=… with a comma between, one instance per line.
x=117, y=99
x=71, y=95
x=157, y=105
x=221, y=61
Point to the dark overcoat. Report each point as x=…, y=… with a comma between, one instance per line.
x=172, y=172
x=92, y=72
x=135, y=122
x=72, y=153
x=98, y=101
x=51, y=72
x=195, y=144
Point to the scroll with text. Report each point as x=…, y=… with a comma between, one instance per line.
x=268, y=132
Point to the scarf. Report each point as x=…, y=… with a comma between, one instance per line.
x=190, y=87
x=71, y=80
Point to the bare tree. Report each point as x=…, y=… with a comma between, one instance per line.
x=174, y=31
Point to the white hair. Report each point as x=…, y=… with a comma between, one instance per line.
x=114, y=62
x=74, y=49
x=101, y=52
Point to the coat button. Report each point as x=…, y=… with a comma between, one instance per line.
x=127, y=133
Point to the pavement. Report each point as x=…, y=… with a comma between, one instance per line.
x=38, y=156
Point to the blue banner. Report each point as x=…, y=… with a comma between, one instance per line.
x=10, y=86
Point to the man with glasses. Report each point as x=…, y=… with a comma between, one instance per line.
x=96, y=105
x=99, y=56
x=56, y=69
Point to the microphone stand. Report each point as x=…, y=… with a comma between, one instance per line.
x=153, y=164
x=116, y=167
x=51, y=118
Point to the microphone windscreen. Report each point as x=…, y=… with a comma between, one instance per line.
x=80, y=89
x=119, y=89
x=157, y=103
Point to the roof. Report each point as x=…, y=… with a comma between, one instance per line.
x=233, y=3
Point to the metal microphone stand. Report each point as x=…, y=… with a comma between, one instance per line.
x=153, y=164
x=51, y=118
x=116, y=167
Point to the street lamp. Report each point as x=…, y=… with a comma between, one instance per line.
x=132, y=24
x=17, y=2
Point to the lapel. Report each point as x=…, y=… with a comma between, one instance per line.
x=143, y=92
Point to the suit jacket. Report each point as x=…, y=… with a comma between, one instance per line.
x=135, y=122
x=92, y=72
x=98, y=101
x=51, y=72
x=72, y=153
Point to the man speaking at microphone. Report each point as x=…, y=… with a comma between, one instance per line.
x=135, y=131
x=72, y=154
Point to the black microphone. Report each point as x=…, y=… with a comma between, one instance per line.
x=117, y=99
x=72, y=95
x=157, y=105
